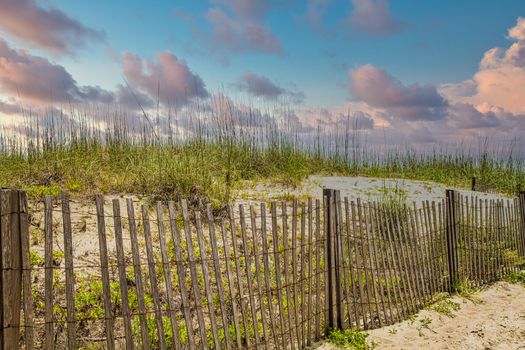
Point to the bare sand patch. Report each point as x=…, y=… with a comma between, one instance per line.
x=365, y=188
x=494, y=319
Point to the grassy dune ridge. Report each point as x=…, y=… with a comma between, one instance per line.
x=214, y=157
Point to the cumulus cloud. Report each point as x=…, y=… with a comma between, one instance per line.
x=500, y=80
x=47, y=28
x=374, y=17
x=261, y=86
x=131, y=99
x=168, y=78
x=37, y=79
x=379, y=89
x=239, y=25
x=465, y=116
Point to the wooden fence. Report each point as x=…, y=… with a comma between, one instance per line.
x=277, y=275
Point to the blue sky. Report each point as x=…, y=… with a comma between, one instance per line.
x=443, y=42
x=310, y=54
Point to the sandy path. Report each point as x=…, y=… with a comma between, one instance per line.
x=366, y=188
x=495, y=321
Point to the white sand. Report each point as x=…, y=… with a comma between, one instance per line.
x=495, y=321
x=365, y=188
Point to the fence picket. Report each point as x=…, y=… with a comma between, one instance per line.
x=167, y=278
x=404, y=235
x=193, y=273
x=150, y=255
x=10, y=269
x=104, y=266
x=137, y=270
x=70, y=279
x=29, y=323
x=206, y=277
x=521, y=213
x=48, y=284
x=362, y=258
x=249, y=280
x=288, y=292
x=425, y=222
x=393, y=261
x=350, y=245
x=483, y=235
x=373, y=240
x=301, y=277
x=123, y=283
x=294, y=275
x=318, y=251
x=239, y=277
x=218, y=276
x=176, y=239
x=405, y=264
x=309, y=283
x=277, y=264
x=258, y=281
x=266, y=266
x=344, y=269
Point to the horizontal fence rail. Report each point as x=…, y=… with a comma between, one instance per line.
x=122, y=274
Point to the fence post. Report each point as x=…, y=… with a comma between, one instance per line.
x=11, y=264
x=522, y=212
x=452, y=253
x=332, y=257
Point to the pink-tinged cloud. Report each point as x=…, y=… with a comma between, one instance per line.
x=132, y=99
x=518, y=31
x=238, y=25
x=39, y=80
x=260, y=86
x=47, y=28
x=374, y=17
x=500, y=80
x=465, y=116
x=379, y=89
x=168, y=78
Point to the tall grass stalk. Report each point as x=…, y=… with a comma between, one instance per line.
x=207, y=154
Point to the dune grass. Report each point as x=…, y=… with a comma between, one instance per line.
x=213, y=159
x=213, y=170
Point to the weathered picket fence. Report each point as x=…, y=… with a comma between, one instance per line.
x=277, y=275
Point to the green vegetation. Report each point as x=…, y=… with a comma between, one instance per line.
x=213, y=157
x=446, y=307
x=515, y=277
x=423, y=323
x=349, y=339
x=465, y=289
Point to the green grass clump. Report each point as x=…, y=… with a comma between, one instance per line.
x=446, y=307
x=515, y=277
x=349, y=339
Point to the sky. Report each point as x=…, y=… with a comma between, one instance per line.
x=421, y=72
